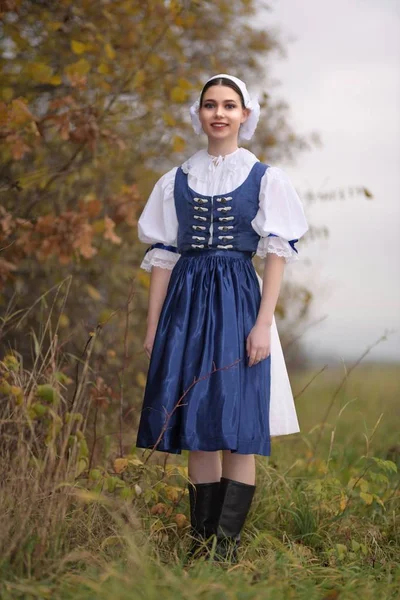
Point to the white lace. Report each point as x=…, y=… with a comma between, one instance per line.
x=159, y=258
x=276, y=245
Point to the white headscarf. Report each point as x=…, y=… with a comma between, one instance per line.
x=247, y=128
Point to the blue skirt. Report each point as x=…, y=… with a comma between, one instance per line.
x=200, y=392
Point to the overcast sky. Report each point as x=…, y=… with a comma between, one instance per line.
x=342, y=78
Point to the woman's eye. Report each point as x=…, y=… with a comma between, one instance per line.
x=211, y=105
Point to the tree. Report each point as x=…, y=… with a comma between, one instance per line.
x=93, y=106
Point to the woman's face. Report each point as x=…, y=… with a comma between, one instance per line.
x=221, y=113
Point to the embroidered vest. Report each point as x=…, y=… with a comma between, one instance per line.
x=220, y=221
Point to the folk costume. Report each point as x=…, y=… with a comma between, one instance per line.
x=205, y=220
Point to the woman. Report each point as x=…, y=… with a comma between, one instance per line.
x=217, y=380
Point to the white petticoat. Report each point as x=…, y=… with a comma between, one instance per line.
x=282, y=411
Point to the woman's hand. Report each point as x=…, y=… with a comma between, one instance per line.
x=149, y=339
x=258, y=344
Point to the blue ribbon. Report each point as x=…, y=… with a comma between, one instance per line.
x=163, y=247
x=291, y=242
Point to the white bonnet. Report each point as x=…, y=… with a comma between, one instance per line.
x=247, y=128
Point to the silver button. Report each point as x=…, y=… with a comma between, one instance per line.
x=197, y=245
x=198, y=238
x=223, y=200
x=225, y=247
x=225, y=227
x=198, y=227
x=226, y=218
x=201, y=200
x=225, y=209
x=225, y=237
x=201, y=208
x=200, y=218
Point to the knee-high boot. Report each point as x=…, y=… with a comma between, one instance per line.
x=235, y=501
x=204, y=512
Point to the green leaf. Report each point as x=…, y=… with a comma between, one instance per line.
x=368, y=498
x=95, y=474
x=341, y=550
x=47, y=393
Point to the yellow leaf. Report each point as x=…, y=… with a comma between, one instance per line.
x=172, y=493
x=77, y=47
x=55, y=25
x=138, y=79
x=343, y=501
x=104, y=68
x=178, y=144
x=40, y=72
x=169, y=119
x=56, y=80
x=98, y=226
x=120, y=464
x=93, y=292
x=368, y=498
x=7, y=94
x=105, y=315
x=63, y=320
x=11, y=363
x=136, y=462
x=178, y=94
x=81, y=67
x=182, y=470
x=110, y=52
x=142, y=277
x=15, y=390
x=184, y=83
x=141, y=379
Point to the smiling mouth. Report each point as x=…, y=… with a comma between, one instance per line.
x=219, y=125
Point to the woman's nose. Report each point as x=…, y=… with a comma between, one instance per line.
x=219, y=111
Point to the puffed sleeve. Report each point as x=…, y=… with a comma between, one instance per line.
x=280, y=220
x=158, y=225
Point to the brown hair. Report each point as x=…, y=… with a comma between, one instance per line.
x=222, y=81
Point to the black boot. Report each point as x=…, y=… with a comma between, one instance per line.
x=235, y=501
x=204, y=513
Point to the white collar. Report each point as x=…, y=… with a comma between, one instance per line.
x=200, y=163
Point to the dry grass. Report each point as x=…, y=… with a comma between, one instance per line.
x=324, y=522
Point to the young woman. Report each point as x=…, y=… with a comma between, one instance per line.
x=217, y=379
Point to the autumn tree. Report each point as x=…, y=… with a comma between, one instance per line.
x=94, y=106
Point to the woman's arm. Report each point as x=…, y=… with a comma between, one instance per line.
x=158, y=290
x=259, y=338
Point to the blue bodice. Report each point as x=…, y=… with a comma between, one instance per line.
x=221, y=221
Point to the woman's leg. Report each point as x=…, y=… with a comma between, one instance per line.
x=204, y=470
x=239, y=467
x=237, y=489
x=204, y=467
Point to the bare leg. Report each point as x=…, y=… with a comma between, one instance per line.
x=239, y=467
x=204, y=467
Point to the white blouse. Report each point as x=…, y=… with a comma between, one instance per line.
x=280, y=209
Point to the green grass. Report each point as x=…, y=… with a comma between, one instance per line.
x=324, y=523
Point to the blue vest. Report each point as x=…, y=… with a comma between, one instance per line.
x=221, y=221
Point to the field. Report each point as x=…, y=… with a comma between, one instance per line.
x=324, y=523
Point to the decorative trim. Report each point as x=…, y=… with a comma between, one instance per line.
x=163, y=247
